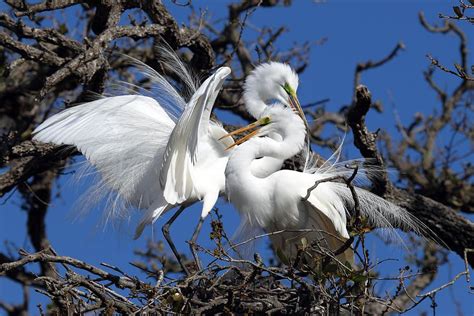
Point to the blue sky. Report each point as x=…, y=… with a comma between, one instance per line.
x=356, y=31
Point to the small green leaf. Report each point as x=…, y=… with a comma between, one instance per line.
x=359, y=278
x=62, y=28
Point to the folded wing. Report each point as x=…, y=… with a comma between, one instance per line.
x=326, y=214
x=181, y=152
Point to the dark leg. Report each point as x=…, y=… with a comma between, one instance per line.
x=166, y=233
x=192, y=243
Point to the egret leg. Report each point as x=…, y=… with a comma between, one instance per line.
x=166, y=233
x=192, y=243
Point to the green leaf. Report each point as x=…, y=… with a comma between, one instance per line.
x=62, y=28
x=359, y=278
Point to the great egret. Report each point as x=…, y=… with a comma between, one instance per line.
x=268, y=84
x=279, y=202
x=146, y=156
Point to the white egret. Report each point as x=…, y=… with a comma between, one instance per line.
x=145, y=156
x=279, y=201
x=148, y=158
x=268, y=84
x=275, y=202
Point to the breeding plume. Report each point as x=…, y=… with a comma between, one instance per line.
x=268, y=85
x=279, y=201
x=146, y=156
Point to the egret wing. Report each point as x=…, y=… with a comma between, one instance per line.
x=321, y=219
x=124, y=137
x=326, y=201
x=180, y=156
x=326, y=213
x=330, y=230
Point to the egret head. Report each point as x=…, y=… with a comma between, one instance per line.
x=281, y=120
x=269, y=83
x=277, y=119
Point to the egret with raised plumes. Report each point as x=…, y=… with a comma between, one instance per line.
x=285, y=204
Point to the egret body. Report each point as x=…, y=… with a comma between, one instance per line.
x=280, y=201
x=276, y=202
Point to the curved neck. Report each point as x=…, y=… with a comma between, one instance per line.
x=249, y=179
x=266, y=148
x=254, y=103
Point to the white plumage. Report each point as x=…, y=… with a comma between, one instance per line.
x=143, y=155
x=152, y=155
x=105, y=132
x=277, y=202
x=155, y=159
x=265, y=85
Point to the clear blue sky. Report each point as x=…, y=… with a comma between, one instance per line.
x=356, y=31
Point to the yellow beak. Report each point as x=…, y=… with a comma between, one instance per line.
x=296, y=106
x=261, y=122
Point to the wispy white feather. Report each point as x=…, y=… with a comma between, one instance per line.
x=125, y=139
x=106, y=132
x=171, y=60
x=379, y=212
x=161, y=89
